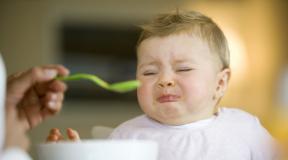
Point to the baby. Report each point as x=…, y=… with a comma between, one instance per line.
x=183, y=68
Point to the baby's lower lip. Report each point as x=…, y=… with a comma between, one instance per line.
x=168, y=98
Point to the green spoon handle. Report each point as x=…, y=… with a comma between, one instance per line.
x=120, y=87
x=90, y=77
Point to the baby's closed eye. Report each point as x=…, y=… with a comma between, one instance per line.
x=148, y=73
x=184, y=69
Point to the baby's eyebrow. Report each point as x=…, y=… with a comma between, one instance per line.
x=147, y=64
x=181, y=61
x=184, y=61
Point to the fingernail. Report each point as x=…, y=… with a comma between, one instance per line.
x=50, y=73
x=52, y=105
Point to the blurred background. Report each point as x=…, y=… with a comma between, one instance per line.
x=99, y=36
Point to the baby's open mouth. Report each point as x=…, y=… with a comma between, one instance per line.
x=168, y=98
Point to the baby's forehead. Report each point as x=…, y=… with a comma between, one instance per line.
x=194, y=40
x=177, y=48
x=176, y=44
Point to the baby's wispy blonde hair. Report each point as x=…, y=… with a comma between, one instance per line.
x=193, y=23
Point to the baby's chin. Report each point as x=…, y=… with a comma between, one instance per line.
x=172, y=120
x=180, y=119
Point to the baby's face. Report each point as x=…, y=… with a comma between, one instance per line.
x=179, y=77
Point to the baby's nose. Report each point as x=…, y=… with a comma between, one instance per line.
x=163, y=84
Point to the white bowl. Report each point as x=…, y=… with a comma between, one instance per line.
x=99, y=150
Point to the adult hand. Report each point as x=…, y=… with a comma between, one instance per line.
x=31, y=97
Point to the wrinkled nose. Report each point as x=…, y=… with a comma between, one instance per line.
x=164, y=84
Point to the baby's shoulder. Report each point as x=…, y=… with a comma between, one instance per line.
x=237, y=118
x=134, y=122
x=247, y=128
x=129, y=127
x=235, y=114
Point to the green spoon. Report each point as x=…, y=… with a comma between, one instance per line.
x=120, y=87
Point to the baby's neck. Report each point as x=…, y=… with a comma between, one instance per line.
x=189, y=118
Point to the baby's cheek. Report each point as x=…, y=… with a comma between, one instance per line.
x=144, y=94
x=143, y=91
x=194, y=90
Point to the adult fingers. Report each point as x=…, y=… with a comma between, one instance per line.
x=54, y=85
x=18, y=85
x=57, y=86
x=29, y=110
x=62, y=71
x=52, y=104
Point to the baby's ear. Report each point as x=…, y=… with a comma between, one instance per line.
x=223, y=78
